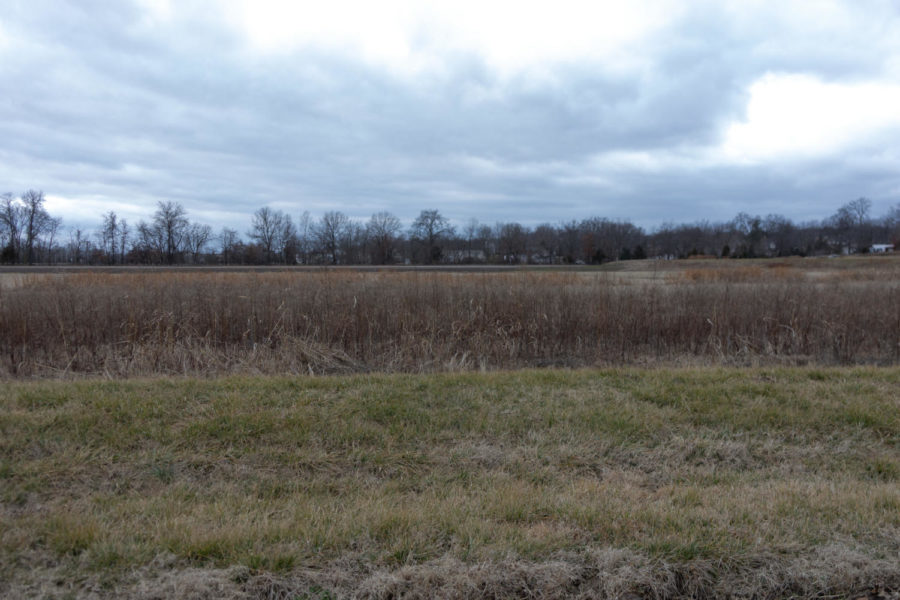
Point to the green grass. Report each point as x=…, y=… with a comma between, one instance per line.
x=278, y=473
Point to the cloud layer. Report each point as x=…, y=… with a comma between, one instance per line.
x=496, y=110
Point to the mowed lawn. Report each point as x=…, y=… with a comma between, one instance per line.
x=732, y=469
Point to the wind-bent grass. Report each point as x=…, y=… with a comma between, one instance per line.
x=731, y=471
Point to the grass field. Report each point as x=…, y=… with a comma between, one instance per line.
x=395, y=433
x=663, y=483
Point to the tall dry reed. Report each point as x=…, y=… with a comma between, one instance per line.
x=131, y=324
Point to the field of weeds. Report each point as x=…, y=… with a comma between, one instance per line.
x=666, y=483
x=208, y=323
x=343, y=433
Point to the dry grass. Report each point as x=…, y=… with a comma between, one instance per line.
x=213, y=323
x=632, y=483
x=661, y=483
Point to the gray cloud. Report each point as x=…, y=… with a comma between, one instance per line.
x=102, y=105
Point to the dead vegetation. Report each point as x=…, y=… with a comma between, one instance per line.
x=775, y=482
x=213, y=323
x=832, y=572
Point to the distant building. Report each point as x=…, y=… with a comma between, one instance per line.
x=881, y=248
x=464, y=256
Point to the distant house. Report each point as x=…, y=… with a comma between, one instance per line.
x=881, y=248
x=542, y=259
x=464, y=256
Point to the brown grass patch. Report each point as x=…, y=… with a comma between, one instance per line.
x=208, y=323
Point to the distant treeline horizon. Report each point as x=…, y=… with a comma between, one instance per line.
x=31, y=235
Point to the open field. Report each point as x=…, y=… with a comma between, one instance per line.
x=214, y=322
x=666, y=483
x=746, y=457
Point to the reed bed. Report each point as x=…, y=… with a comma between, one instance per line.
x=213, y=323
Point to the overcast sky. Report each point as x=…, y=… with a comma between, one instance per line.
x=502, y=111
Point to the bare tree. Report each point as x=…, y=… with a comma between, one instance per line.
x=428, y=229
x=124, y=231
x=891, y=219
x=305, y=237
x=168, y=229
x=512, y=238
x=892, y=224
x=860, y=208
x=275, y=233
x=265, y=229
x=596, y=243
x=780, y=233
x=287, y=241
x=53, y=226
x=150, y=244
x=196, y=240
x=568, y=241
x=485, y=238
x=470, y=233
x=851, y=224
x=12, y=220
x=546, y=241
x=36, y=220
x=353, y=243
x=329, y=232
x=229, y=241
x=78, y=246
x=108, y=236
x=382, y=230
x=749, y=232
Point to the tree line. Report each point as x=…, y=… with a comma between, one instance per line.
x=30, y=235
